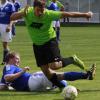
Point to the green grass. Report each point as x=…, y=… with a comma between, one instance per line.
x=82, y=41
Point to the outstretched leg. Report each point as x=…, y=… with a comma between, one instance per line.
x=73, y=60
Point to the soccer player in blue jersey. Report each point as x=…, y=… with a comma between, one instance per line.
x=21, y=80
x=6, y=9
x=56, y=6
x=17, y=6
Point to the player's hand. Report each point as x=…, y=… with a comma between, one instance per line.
x=89, y=15
x=26, y=68
x=8, y=28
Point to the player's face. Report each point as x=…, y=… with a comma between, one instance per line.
x=38, y=11
x=54, y=0
x=16, y=60
x=3, y=1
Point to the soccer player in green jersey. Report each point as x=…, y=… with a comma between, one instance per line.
x=39, y=24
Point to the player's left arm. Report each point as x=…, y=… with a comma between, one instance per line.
x=13, y=76
x=76, y=14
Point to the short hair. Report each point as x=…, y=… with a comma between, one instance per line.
x=39, y=3
x=10, y=55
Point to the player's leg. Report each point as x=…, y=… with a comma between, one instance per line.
x=5, y=51
x=13, y=30
x=52, y=76
x=53, y=58
x=48, y=58
x=44, y=56
x=71, y=76
x=63, y=62
x=47, y=85
x=73, y=60
x=54, y=25
x=58, y=30
x=6, y=37
x=91, y=72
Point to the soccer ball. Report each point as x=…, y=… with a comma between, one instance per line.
x=69, y=92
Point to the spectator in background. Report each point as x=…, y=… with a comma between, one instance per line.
x=6, y=9
x=17, y=6
x=56, y=6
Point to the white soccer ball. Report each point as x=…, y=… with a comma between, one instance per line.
x=69, y=92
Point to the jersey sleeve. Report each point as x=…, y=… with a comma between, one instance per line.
x=9, y=69
x=18, y=5
x=13, y=8
x=54, y=15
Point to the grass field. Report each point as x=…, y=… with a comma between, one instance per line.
x=82, y=41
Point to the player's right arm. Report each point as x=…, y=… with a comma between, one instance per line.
x=19, y=14
x=13, y=76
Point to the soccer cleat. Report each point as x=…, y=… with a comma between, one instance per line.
x=3, y=63
x=78, y=62
x=91, y=72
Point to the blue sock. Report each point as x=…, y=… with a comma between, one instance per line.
x=71, y=76
x=64, y=82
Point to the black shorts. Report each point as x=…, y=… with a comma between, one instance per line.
x=47, y=53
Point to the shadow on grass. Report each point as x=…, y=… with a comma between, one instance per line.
x=93, y=90
x=17, y=93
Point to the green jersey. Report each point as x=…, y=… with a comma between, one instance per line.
x=40, y=28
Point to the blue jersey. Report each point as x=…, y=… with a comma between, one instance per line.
x=5, y=12
x=21, y=83
x=53, y=6
x=17, y=6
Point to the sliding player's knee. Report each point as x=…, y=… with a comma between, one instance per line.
x=47, y=71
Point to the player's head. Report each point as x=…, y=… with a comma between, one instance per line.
x=54, y=0
x=13, y=0
x=3, y=1
x=39, y=6
x=13, y=58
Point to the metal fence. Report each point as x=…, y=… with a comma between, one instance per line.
x=83, y=6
